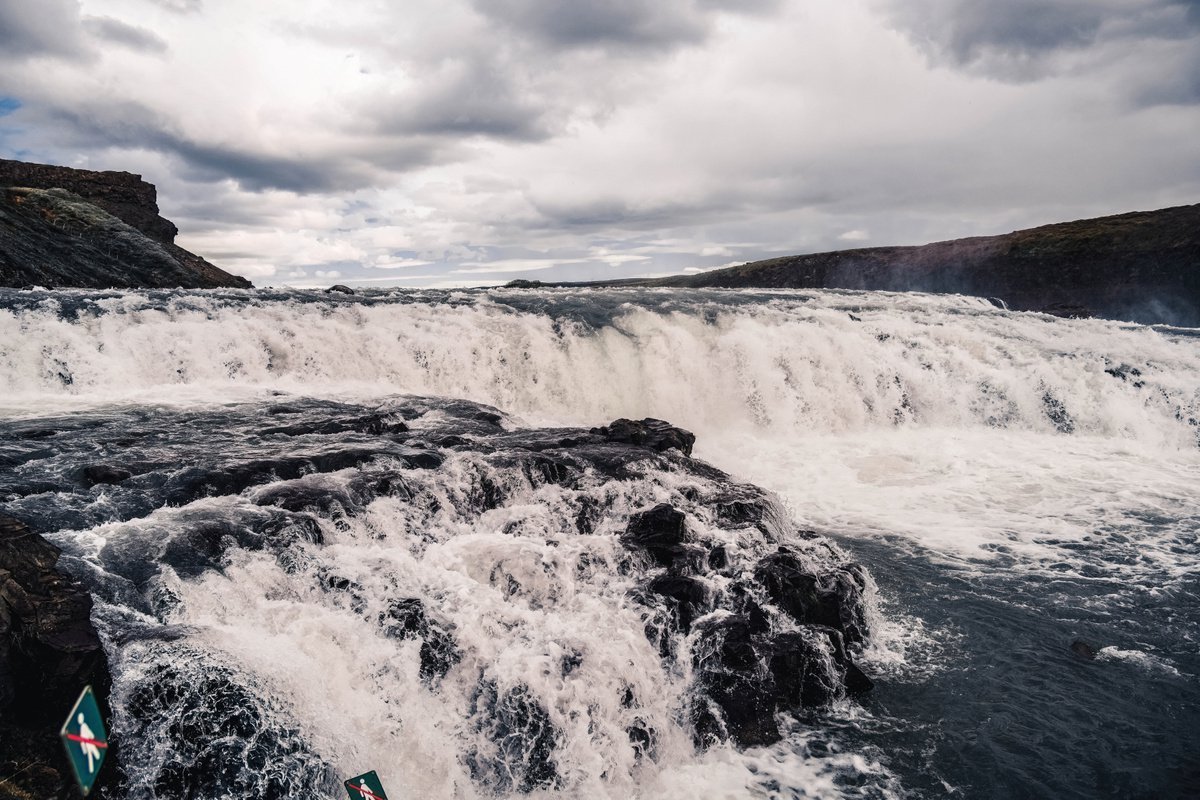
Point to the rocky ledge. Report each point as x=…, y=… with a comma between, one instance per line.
x=48, y=652
x=66, y=228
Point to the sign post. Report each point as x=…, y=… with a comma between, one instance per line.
x=365, y=787
x=85, y=740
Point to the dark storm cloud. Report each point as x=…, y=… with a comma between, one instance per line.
x=42, y=28
x=1019, y=39
x=132, y=125
x=257, y=171
x=627, y=23
x=118, y=32
x=467, y=96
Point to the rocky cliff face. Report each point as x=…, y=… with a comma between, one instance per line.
x=1142, y=267
x=62, y=227
x=48, y=652
x=124, y=195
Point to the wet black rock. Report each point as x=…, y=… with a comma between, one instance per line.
x=375, y=424
x=746, y=676
x=687, y=598
x=832, y=599
x=49, y=651
x=644, y=740
x=339, y=289
x=100, y=473
x=735, y=693
x=810, y=668
x=1083, y=649
x=653, y=433
x=660, y=532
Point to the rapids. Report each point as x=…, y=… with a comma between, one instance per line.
x=1012, y=481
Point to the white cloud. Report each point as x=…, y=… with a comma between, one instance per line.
x=474, y=141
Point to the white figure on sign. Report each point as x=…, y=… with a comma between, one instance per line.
x=364, y=791
x=89, y=749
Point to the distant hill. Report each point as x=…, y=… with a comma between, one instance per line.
x=1142, y=267
x=63, y=227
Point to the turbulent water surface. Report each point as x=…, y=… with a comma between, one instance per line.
x=1014, y=483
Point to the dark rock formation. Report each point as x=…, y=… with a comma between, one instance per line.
x=660, y=532
x=339, y=289
x=749, y=669
x=62, y=227
x=1142, y=267
x=124, y=195
x=652, y=433
x=769, y=618
x=48, y=652
x=1083, y=649
x=833, y=601
x=99, y=473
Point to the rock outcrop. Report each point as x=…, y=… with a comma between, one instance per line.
x=768, y=620
x=1142, y=267
x=62, y=227
x=49, y=651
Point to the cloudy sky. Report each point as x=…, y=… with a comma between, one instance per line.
x=467, y=142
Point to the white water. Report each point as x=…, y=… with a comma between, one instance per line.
x=939, y=423
x=937, y=418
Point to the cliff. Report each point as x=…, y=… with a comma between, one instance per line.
x=62, y=227
x=1142, y=267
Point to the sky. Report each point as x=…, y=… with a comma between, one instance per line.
x=470, y=142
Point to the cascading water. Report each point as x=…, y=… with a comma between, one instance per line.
x=1013, y=482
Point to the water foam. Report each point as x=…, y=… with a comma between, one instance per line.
x=1067, y=445
x=780, y=366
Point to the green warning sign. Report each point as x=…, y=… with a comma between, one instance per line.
x=366, y=787
x=85, y=740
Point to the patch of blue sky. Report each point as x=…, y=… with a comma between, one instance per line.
x=8, y=105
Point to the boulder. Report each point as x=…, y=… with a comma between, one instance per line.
x=1083, y=649
x=660, y=532
x=832, y=599
x=734, y=698
x=687, y=598
x=100, y=473
x=652, y=433
x=745, y=677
